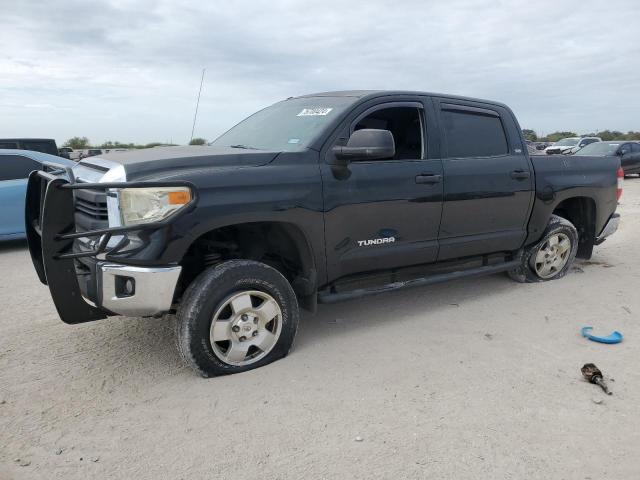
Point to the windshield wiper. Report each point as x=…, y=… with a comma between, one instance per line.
x=245, y=147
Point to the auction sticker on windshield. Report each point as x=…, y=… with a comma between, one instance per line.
x=311, y=112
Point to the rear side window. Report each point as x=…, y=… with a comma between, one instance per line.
x=635, y=147
x=14, y=167
x=472, y=134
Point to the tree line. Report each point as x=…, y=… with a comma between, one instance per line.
x=83, y=143
x=605, y=135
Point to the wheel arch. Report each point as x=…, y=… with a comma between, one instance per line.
x=282, y=245
x=581, y=212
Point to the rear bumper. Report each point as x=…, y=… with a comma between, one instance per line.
x=609, y=229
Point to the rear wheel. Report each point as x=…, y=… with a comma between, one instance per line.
x=552, y=256
x=236, y=316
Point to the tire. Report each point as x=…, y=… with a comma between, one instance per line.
x=530, y=270
x=214, y=307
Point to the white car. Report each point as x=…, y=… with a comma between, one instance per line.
x=570, y=145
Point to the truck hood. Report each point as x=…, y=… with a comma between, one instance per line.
x=148, y=163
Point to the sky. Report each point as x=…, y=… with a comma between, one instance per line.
x=130, y=70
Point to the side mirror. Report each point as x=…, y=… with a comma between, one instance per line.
x=366, y=144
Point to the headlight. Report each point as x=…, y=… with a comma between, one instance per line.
x=152, y=204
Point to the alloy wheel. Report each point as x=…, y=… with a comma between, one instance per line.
x=245, y=328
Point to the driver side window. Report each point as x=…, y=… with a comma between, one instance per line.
x=405, y=124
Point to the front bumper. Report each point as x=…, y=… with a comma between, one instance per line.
x=136, y=291
x=609, y=229
x=88, y=285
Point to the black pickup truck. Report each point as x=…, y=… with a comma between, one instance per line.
x=319, y=198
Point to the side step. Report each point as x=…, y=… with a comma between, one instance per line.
x=334, y=297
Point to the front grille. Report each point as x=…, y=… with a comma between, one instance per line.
x=97, y=210
x=91, y=210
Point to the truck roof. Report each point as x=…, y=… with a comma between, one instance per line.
x=38, y=156
x=360, y=94
x=28, y=139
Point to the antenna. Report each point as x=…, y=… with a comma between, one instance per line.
x=195, y=115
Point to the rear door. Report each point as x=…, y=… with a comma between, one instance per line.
x=382, y=214
x=14, y=170
x=488, y=186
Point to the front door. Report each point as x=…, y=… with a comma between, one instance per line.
x=14, y=170
x=488, y=188
x=381, y=214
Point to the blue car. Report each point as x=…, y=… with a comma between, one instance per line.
x=15, y=166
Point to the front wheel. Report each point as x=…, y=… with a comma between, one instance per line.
x=552, y=257
x=236, y=316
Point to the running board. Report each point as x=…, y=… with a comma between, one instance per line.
x=329, y=297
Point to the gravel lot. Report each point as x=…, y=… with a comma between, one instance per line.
x=477, y=378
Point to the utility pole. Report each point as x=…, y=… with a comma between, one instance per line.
x=195, y=115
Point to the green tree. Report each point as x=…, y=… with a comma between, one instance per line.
x=198, y=141
x=555, y=136
x=530, y=135
x=607, y=135
x=631, y=135
x=77, y=143
x=111, y=144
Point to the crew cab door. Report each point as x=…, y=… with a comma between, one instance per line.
x=488, y=180
x=382, y=214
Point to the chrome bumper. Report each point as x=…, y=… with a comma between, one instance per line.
x=609, y=228
x=136, y=291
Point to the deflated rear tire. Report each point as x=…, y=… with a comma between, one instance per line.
x=550, y=258
x=236, y=316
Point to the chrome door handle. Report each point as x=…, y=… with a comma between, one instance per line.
x=428, y=178
x=520, y=174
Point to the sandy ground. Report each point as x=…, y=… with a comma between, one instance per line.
x=471, y=379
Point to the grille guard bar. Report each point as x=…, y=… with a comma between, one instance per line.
x=105, y=234
x=42, y=227
x=51, y=231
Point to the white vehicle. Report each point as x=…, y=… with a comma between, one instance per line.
x=570, y=145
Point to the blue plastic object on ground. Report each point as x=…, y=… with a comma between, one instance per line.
x=615, y=337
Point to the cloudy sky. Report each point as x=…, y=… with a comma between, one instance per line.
x=130, y=70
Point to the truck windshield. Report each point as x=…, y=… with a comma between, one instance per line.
x=567, y=142
x=290, y=125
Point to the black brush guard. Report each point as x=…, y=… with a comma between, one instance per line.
x=51, y=231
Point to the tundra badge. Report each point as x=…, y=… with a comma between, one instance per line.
x=376, y=241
